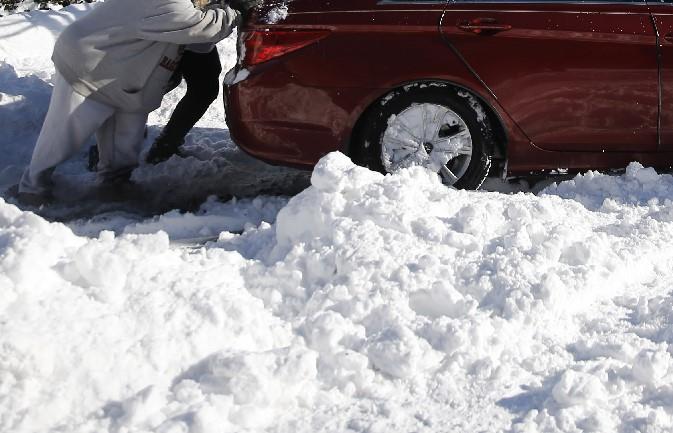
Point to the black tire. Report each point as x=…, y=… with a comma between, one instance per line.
x=366, y=147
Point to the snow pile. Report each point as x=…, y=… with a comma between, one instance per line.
x=639, y=186
x=372, y=303
x=88, y=322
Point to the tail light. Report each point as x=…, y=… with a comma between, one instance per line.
x=261, y=46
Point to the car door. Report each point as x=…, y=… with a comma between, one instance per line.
x=575, y=76
x=662, y=13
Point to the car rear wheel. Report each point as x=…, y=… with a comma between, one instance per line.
x=435, y=127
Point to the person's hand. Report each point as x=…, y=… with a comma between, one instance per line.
x=205, y=5
x=200, y=4
x=245, y=7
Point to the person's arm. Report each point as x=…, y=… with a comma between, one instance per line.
x=179, y=22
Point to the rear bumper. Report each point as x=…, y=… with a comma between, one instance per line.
x=285, y=122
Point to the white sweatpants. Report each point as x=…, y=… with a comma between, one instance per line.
x=71, y=120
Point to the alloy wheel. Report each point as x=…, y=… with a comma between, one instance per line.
x=429, y=135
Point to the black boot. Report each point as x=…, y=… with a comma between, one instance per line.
x=163, y=148
x=94, y=157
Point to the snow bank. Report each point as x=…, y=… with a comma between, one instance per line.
x=639, y=186
x=23, y=106
x=27, y=39
x=26, y=44
x=372, y=303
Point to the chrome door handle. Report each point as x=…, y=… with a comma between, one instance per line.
x=483, y=26
x=668, y=37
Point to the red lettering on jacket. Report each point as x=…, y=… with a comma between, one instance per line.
x=168, y=63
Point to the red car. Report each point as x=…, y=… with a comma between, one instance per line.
x=463, y=87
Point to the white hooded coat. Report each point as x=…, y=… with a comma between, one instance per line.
x=124, y=52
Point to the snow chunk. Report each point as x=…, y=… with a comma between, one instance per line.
x=235, y=77
x=336, y=172
x=577, y=388
x=276, y=14
x=650, y=367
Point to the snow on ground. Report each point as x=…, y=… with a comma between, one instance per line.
x=365, y=303
x=373, y=303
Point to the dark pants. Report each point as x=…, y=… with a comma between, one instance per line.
x=202, y=74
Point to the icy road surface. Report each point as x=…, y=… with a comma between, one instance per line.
x=362, y=304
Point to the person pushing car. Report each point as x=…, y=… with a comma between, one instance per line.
x=112, y=69
x=200, y=68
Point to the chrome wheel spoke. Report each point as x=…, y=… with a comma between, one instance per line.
x=411, y=133
x=407, y=160
x=436, y=122
x=465, y=133
x=424, y=113
x=402, y=144
x=441, y=143
x=448, y=175
x=428, y=123
x=454, y=137
x=464, y=151
x=402, y=155
x=449, y=144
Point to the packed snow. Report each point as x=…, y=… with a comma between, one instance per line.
x=364, y=303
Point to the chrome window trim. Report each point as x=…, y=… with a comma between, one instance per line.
x=411, y=2
x=454, y=5
x=467, y=9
